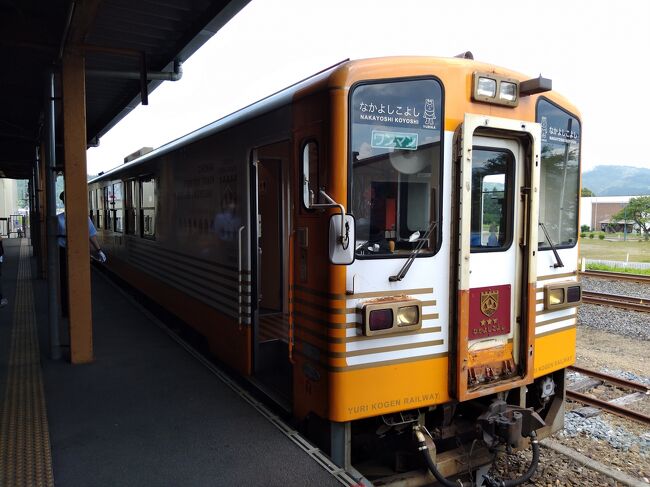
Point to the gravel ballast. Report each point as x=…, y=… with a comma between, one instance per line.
x=614, y=341
x=631, y=324
x=612, y=286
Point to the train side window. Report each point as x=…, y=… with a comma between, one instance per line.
x=99, y=196
x=131, y=198
x=108, y=196
x=492, y=177
x=148, y=207
x=107, y=207
x=310, y=171
x=116, y=208
x=92, y=206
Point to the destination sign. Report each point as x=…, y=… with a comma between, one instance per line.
x=382, y=139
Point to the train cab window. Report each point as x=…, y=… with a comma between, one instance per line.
x=396, y=167
x=492, y=193
x=116, y=208
x=148, y=207
x=559, y=175
x=131, y=198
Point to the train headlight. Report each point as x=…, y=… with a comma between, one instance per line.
x=408, y=315
x=495, y=89
x=486, y=87
x=391, y=315
x=555, y=297
x=561, y=295
x=507, y=91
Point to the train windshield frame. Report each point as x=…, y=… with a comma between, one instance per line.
x=395, y=166
x=559, y=174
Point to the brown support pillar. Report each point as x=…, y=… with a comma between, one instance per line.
x=76, y=205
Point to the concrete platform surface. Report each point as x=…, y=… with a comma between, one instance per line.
x=146, y=413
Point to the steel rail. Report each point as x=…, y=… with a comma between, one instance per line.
x=610, y=378
x=617, y=301
x=624, y=276
x=612, y=408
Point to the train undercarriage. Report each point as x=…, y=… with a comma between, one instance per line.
x=454, y=444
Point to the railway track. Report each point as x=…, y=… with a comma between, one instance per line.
x=621, y=276
x=608, y=406
x=617, y=301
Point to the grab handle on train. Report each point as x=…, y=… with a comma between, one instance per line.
x=240, y=321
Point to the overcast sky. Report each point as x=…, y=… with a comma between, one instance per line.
x=594, y=51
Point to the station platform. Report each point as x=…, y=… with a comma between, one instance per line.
x=144, y=413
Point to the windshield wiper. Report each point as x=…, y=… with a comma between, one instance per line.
x=414, y=253
x=557, y=256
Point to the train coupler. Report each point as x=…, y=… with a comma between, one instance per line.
x=506, y=424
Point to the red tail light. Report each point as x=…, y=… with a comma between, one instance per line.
x=380, y=319
x=574, y=294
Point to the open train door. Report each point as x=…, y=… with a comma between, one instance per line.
x=272, y=370
x=497, y=192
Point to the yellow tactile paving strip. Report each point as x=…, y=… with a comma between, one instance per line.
x=25, y=456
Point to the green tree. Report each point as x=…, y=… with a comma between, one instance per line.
x=586, y=192
x=638, y=211
x=22, y=194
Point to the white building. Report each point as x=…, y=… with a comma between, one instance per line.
x=8, y=204
x=597, y=211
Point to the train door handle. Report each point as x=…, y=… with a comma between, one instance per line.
x=525, y=198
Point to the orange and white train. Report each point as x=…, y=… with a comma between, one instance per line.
x=387, y=249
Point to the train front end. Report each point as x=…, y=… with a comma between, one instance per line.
x=453, y=301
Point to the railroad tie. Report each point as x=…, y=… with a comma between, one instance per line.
x=25, y=454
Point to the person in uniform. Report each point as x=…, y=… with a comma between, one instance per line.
x=63, y=254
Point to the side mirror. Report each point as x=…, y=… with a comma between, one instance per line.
x=341, y=239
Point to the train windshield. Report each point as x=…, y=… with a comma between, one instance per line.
x=395, y=165
x=560, y=175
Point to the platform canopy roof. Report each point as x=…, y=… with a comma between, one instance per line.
x=119, y=38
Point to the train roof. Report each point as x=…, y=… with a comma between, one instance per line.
x=337, y=76
x=269, y=103
x=404, y=65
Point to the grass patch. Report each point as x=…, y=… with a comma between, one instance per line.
x=621, y=236
x=638, y=250
x=625, y=270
